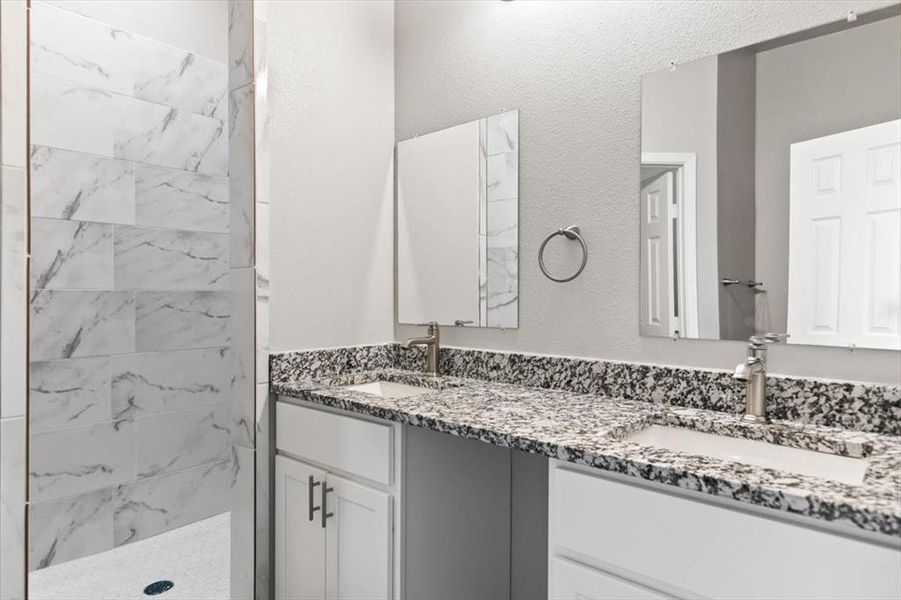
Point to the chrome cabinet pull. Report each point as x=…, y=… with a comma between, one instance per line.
x=325, y=514
x=310, y=507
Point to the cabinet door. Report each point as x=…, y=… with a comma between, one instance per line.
x=299, y=541
x=358, y=541
x=572, y=581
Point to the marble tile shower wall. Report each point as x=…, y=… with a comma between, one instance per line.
x=133, y=378
x=502, y=220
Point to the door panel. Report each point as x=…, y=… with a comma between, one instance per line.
x=358, y=542
x=656, y=257
x=573, y=581
x=845, y=239
x=300, y=542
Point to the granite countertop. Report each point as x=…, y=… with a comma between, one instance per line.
x=588, y=429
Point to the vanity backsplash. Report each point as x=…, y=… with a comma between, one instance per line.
x=848, y=405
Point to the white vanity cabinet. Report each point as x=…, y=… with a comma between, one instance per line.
x=336, y=499
x=610, y=537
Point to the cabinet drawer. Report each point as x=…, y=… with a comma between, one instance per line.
x=688, y=547
x=572, y=581
x=355, y=446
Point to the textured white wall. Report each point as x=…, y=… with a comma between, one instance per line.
x=574, y=69
x=331, y=111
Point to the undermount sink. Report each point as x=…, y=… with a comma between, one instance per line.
x=388, y=389
x=842, y=469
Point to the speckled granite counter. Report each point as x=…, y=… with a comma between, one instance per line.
x=588, y=429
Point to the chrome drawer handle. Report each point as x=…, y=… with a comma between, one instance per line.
x=311, y=484
x=325, y=513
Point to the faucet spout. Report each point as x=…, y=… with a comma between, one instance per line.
x=753, y=373
x=744, y=371
x=419, y=341
x=432, y=342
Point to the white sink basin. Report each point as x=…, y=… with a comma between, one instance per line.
x=387, y=389
x=751, y=452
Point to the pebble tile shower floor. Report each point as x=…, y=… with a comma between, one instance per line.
x=194, y=557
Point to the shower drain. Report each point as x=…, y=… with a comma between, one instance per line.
x=158, y=587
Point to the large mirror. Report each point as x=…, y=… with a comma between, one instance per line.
x=770, y=198
x=458, y=224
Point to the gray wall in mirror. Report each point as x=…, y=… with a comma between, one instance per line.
x=770, y=193
x=457, y=224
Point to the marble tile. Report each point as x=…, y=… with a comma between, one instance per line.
x=503, y=223
x=173, y=441
x=241, y=388
x=502, y=287
x=73, y=116
x=483, y=176
x=242, y=523
x=83, y=187
x=264, y=465
x=168, y=259
x=503, y=133
x=180, y=79
x=13, y=298
x=503, y=176
x=240, y=182
x=483, y=281
x=240, y=40
x=69, y=46
x=157, y=504
x=72, y=392
x=181, y=320
x=72, y=323
x=13, y=82
x=261, y=106
x=180, y=200
x=71, y=255
x=66, y=462
x=69, y=528
x=12, y=508
x=159, y=135
x=151, y=383
x=262, y=292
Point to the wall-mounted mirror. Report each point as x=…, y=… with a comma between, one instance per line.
x=458, y=224
x=770, y=198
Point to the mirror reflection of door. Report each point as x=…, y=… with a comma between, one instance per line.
x=788, y=219
x=669, y=269
x=844, y=286
x=659, y=303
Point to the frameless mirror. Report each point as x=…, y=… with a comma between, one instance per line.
x=770, y=198
x=457, y=224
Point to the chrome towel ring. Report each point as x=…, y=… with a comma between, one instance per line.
x=571, y=233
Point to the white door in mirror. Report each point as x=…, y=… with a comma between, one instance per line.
x=844, y=283
x=659, y=316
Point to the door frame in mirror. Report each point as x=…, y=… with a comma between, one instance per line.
x=685, y=164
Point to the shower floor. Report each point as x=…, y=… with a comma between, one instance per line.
x=194, y=557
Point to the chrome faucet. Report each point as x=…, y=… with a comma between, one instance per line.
x=753, y=372
x=432, y=342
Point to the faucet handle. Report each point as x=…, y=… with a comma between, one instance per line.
x=775, y=338
x=768, y=338
x=429, y=324
x=462, y=323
